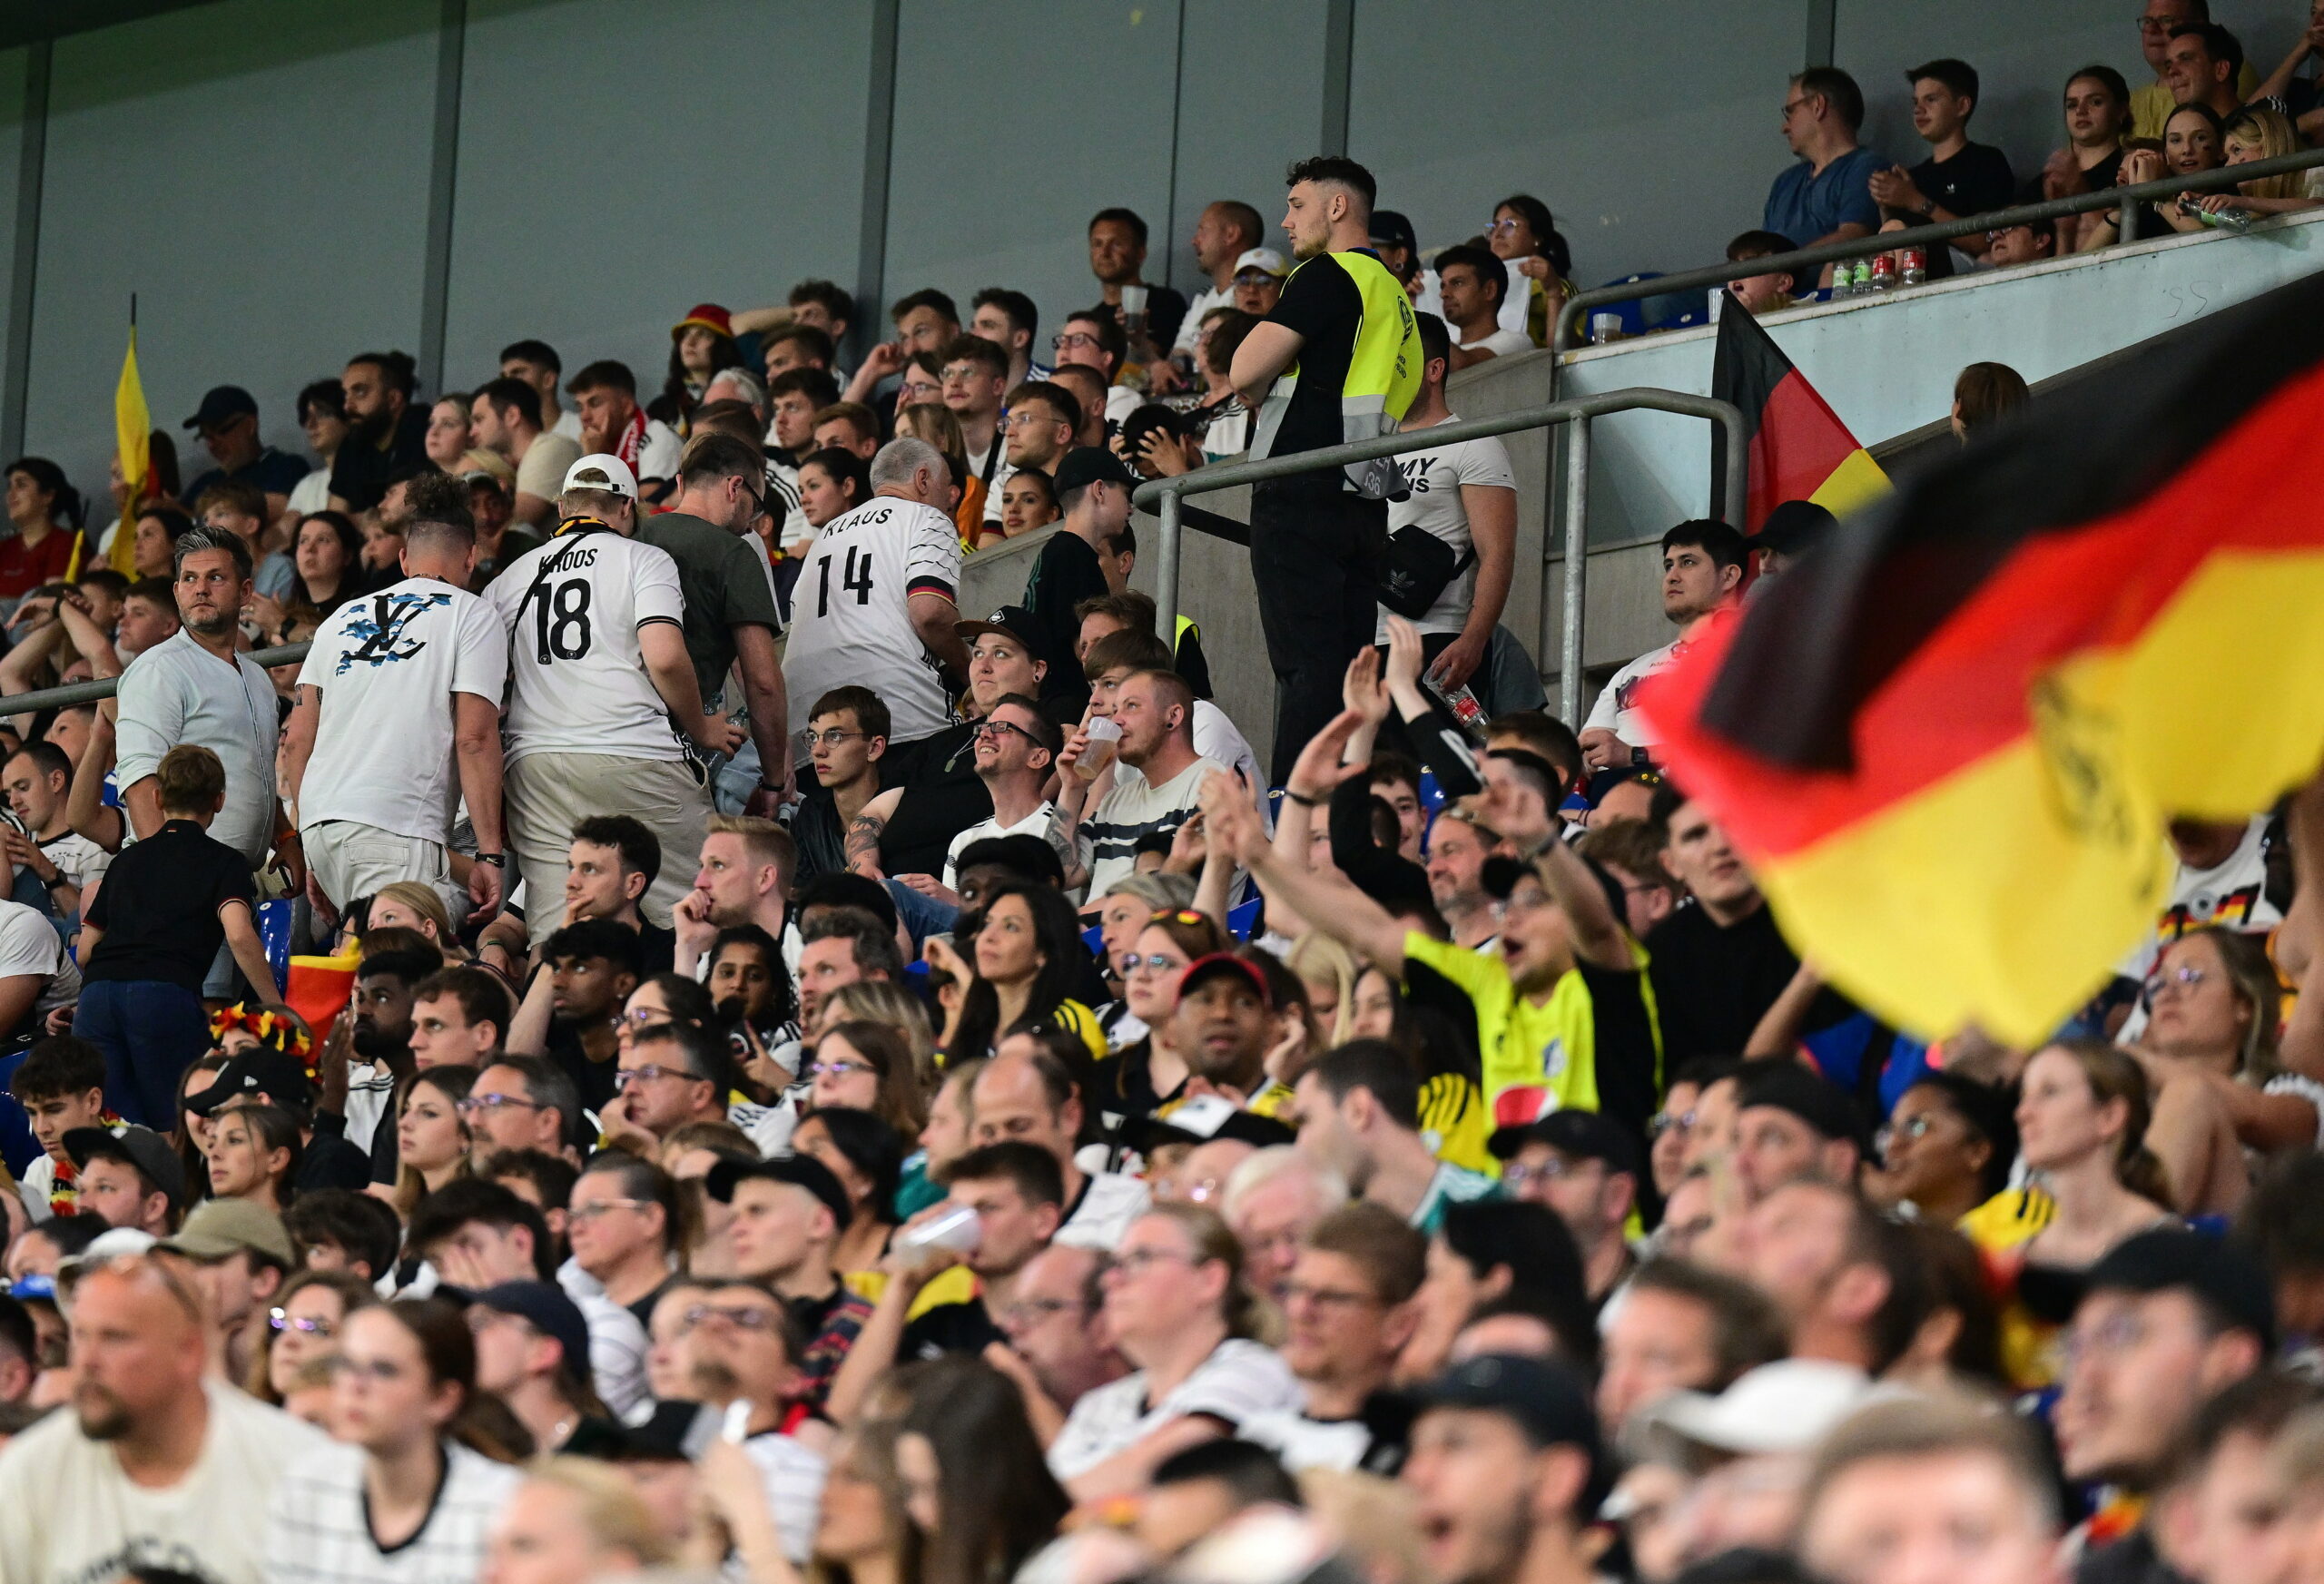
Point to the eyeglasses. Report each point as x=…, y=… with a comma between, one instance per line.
x=1026, y=1313
x=1662, y=1122
x=1495, y=228
x=1514, y=1177
x=839, y=1069
x=1196, y=1193
x=1254, y=278
x=592, y=1212
x=303, y=1325
x=644, y=1018
x=962, y=371
x=1139, y=1261
x=631, y=1075
x=1074, y=338
x=754, y=1320
x=2181, y=979
x=992, y=728
x=476, y=1105
x=830, y=739
x=1328, y=1298
x=1025, y=418
x=1154, y=963
x=1792, y=105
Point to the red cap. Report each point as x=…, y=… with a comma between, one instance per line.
x=709, y=316
x=1202, y=967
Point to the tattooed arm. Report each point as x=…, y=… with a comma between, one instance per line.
x=864, y=830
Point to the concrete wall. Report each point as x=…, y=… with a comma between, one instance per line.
x=263, y=172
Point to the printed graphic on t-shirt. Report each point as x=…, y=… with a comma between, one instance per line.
x=385, y=633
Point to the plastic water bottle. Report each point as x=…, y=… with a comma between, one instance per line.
x=1863, y=278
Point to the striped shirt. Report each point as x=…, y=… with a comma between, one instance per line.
x=1133, y=810
x=319, y=1529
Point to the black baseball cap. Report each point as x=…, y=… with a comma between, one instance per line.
x=221, y=405
x=1583, y=1135
x=1791, y=1088
x=1792, y=525
x=1390, y=229
x=1205, y=1118
x=135, y=1145
x=263, y=1071
x=546, y=1310
x=1013, y=622
x=1541, y=1397
x=1087, y=464
x=2172, y=1258
x=801, y=1171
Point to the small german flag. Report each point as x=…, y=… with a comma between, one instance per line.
x=1948, y=740
x=1800, y=451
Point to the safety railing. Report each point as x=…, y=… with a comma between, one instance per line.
x=89, y=693
x=1799, y=263
x=1166, y=496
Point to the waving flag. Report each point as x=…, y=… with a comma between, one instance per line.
x=1800, y=451
x=132, y=425
x=1948, y=740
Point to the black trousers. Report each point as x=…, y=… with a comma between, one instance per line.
x=1315, y=555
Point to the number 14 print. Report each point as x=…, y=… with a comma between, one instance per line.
x=854, y=578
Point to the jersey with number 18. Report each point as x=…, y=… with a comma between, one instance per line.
x=573, y=609
x=850, y=613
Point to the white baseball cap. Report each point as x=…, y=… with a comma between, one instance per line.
x=1786, y=1406
x=1265, y=258
x=601, y=470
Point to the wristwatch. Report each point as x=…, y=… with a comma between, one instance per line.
x=498, y=860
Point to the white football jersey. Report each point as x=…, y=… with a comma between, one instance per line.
x=850, y=613
x=572, y=609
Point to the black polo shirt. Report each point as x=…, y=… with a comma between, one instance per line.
x=159, y=907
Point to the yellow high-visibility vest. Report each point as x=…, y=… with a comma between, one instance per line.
x=1382, y=372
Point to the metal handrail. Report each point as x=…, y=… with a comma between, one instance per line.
x=2125, y=199
x=105, y=687
x=1166, y=496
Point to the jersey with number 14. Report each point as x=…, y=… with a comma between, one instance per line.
x=850, y=613
x=579, y=680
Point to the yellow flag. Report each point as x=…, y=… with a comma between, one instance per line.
x=134, y=430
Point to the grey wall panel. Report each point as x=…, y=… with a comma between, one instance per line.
x=257, y=171
x=1244, y=114
x=1649, y=129
x=12, y=145
x=2023, y=53
x=984, y=200
x=621, y=163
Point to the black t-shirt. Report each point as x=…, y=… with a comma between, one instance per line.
x=1166, y=311
x=1320, y=301
x=594, y=1079
x=949, y=1328
x=816, y=834
x=1976, y=180
x=727, y=586
x=2106, y=172
x=942, y=797
x=329, y=1161
x=1065, y=572
x=271, y=471
x=159, y=907
x=1712, y=985
x=359, y=474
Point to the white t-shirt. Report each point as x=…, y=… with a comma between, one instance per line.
x=1208, y=298
x=1501, y=343
x=1240, y=1380
x=387, y=666
x=2231, y=894
x=1044, y=821
x=1134, y=809
x=658, y=451
x=29, y=944
x=312, y=493
x=70, y=1516
x=792, y=1478
x=82, y=861
x=1219, y=740
x=571, y=610
x=1109, y=1202
x=568, y=424
x=1434, y=506
x=1614, y=711
x=177, y=692
x=850, y=613
x=319, y=1529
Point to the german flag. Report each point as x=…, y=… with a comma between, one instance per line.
x=1800, y=451
x=1948, y=740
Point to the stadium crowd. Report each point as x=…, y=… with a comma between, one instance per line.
x=780, y=1075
